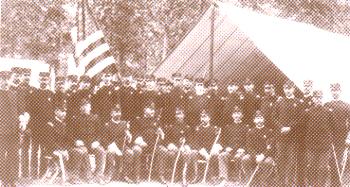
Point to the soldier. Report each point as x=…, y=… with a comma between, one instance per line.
x=9, y=132
x=166, y=103
x=287, y=118
x=258, y=153
x=231, y=98
x=306, y=103
x=215, y=103
x=103, y=98
x=147, y=131
x=60, y=95
x=86, y=135
x=128, y=103
x=42, y=111
x=117, y=137
x=197, y=102
x=250, y=102
x=73, y=109
x=268, y=102
x=150, y=93
x=319, y=139
x=341, y=113
x=175, y=133
x=207, y=147
x=117, y=91
x=233, y=140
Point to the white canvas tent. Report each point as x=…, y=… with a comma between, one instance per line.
x=36, y=66
x=249, y=44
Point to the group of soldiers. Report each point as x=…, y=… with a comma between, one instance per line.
x=178, y=130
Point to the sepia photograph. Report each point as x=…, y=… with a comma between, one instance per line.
x=174, y=93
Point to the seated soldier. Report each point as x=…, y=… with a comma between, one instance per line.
x=116, y=138
x=169, y=151
x=147, y=132
x=233, y=140
x=86, y=131
x=257, y=161
x=206, y=136
x=58, y=146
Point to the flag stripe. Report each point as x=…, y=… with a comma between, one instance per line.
x=98, y=51
x=92, y=46
x=97, y=60
x=82, y=45
x=100, y=66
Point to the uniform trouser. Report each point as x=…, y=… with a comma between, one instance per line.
x=133, y=162
x=189, y=166
x=100, y=160
x=166, y=159
x=262, y=175
x=9, y=158
x=113, y=163
x=25, y=159
x=286, y=163
x=301, y=163
x=224, y=160
x=38, y=165
x=80, y=164
x=317, y=166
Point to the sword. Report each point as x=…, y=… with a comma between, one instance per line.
x=345, y=159
x=152, y=159
x=336, y=163
x=176, y=161
x=253, y=175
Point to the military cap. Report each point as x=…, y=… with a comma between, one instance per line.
x=189, y=77
x=237, y=109
x=288, y=84
x=335, y=87
x=308, y=83
x=150, y=78
x=85, y=101
x=212, y=82
x=168, y=83
x=233, y=82
x=204, y=112
x=199, y=80
x=161, y=80
x=5, y=75
x=85, y=78
x=179, y=109
x=16, y=70
x=248, y=82
x=317, y=93
x=151, y=105
x=258, y=113
x=176, y=75
x=117, y=107
x=72, y=78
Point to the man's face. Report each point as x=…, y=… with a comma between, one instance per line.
x=26, y=78
x=84, y=85
x=44, y=84
x=200, y=88
x=151, y=85
x=177, y=81
x=237, y=116
x=187, y=83
x=232, y=88
x=86, y=108
x=259, y=121
x=107, y=79
x=269, y=90
x=116, y=115
x=61, y=114
x=60, y=86
x=289, y=92
x=249, y=87
x=180, y=115
x=15, y=79
x=205, y=118
x=336, y=94
x=149, y=112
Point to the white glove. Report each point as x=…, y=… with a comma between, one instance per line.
x=246, y=157
x=217, y=148
x=128, y=136
x=228, y=149
x=161, y=133
x=113, y=148
x=204, y=153
x=79, y=143
x=260, y=158
x=285, y=129
x=172, y=147
x=140, y=142
x=95, y=144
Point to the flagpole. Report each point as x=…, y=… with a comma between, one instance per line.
x=212, y=27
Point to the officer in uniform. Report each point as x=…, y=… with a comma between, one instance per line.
x=175, y=133
x=232, y=98
x=267, y=106
x=215, y=104
x=117, y=138
x=117, y=91
x=9, y=132
x=42, y=111
x=250, y=102
x=128, y=103
x=166, y=103
x=341, y=113
x=287, y=118
x=233, y=140
x=197, y=102
x=319, y=139
x=187, y=90
x=86, y=134
x=258, y=153
x=60, y=96
x=103, y=103
x=73, y=109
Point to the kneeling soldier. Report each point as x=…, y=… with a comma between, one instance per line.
x=86, y=130
x=116, y=138
x=258, y=162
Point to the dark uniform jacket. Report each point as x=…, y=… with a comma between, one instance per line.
x=267, y=108
x=174, y=132
x=146, y=127
x=115, y=132
x=258, y=141
x=9, y=123
x=288, y=113
x=129, y=103
x=196, y=103
x=341, y=113
x=230, y=101
x=215, y=106
x=58, y=134
x=205, y=137
x=319, y=128
x=250, y=104
x=24, y=95
x=234, y=135
x=104, y=103
x=167, y=104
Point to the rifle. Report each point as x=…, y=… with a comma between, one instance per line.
x=253, y=175
x=176, y=161
x=210, y=154
x=345, y=159
x=154, y=150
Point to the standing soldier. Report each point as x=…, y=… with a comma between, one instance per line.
x=117, y=137
x=250, y=102
x=167, y=104
x=42, y=112
x=231, y=98
x=9, y=133
x=307, y=103
x=117, y=91
x=233, y=140
x=341, y=113
x=215, y=103
x=287, y=119
x=103, y=98
x=197, y=102
x=72, y=106
x=177, y=90
x=60, y=96
x=150, y=93
x=128, y=103
x=86, y=134
x=187, y=90
x=147, y=131
x=319, y=139
x=267, y=106
x=24, y=94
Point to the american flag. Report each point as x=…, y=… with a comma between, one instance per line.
x=92, y=52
